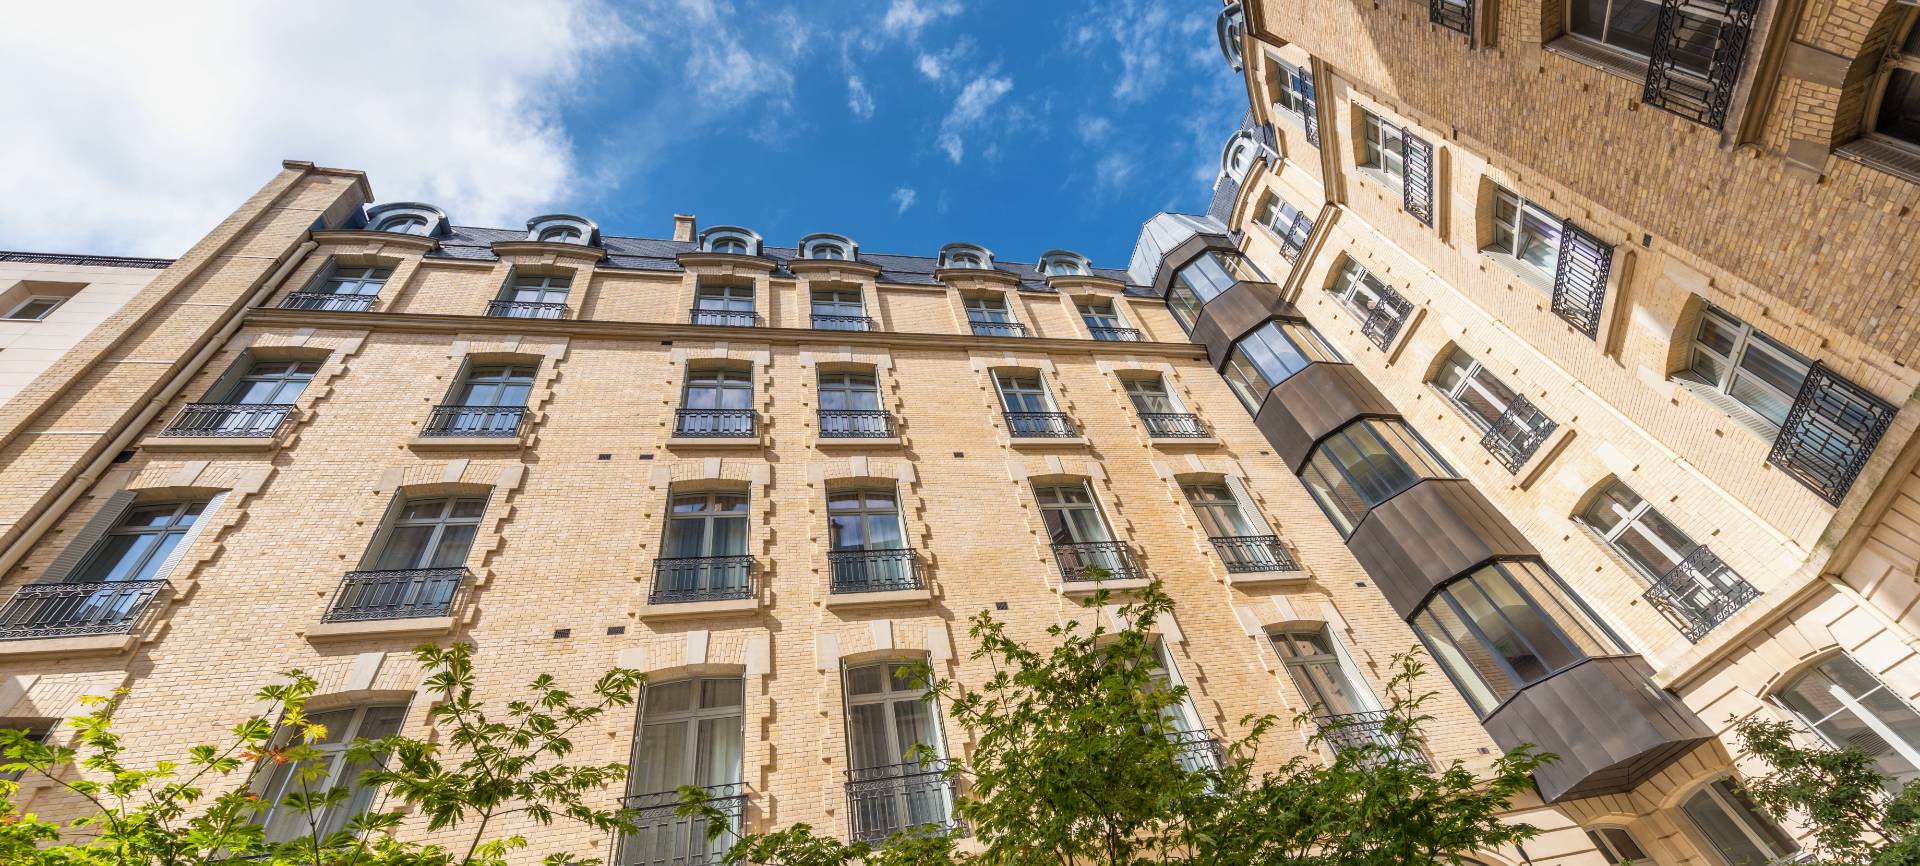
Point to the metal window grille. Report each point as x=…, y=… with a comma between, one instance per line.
x=1829, y=433
x=1580, y=279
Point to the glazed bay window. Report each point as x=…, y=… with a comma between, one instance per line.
x=1504, y=627
x=1848, y=706
x=1028, y=409
x=839, y=310
x=1381, y=310
x=1381, y=148
x=1215, y=271
x=1734, y=828
x=533, y=296
x=716, y=402
x=346, y=288
x=104, y=580
x=1511, y=427
x=1162, y=415
x=1271, y=354
x=893, y=784
x=1242, y=540
x=850, y=407
x=491, y=401
x=417, y=566
x=690, y=732
x=988, y=316
x=1366, y=463
x=703, y=551
x=1747, y=367
x=1685, y=581
x=1079, y=534
x=868, y=547
x=254, y=404
x=1104, y=322
x=282, y=823
x=1525, y=235
x=729, y=306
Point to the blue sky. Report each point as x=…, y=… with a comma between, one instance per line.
x=904, y=124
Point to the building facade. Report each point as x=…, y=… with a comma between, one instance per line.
x=49, y=302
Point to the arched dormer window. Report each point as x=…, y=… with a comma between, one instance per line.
x=1064, y=263
x=1239, y=155
x=828, y=246
x=965, y=256
x=1231, y=24
x=563, y=229
x=731, y=240
x=407, y=218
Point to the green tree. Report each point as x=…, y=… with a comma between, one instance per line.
x=1839, y=793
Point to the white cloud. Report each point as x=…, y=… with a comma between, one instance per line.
x=1112, y=170
x=1138, y=33
x=859, y=100
x=938, y=66
x=906, y=18
x=969, y=109
x=1092, y=130
x=903, y=198
x=932, y=67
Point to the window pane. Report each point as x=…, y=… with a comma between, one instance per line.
x=1481, y=679
x=1900, y=107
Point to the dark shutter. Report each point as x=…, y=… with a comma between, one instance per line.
x=1580, y=280
x=84, y=541
x=1698, y=47
x=1313, y=108
x=1416, y=185
x=1829, y=433
x=1457, y=17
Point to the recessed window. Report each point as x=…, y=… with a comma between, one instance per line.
x=490, y=400
x=840, y=310
x=1515, y=427
x=37, y=731
x=1897, y=113
x=1381, y=147
x=1504, y=627
x=562, y=229
x=1366, y=463
x=690, y=732
x=406, y=224
x=889, y=719
x=272, y=382
x=1270, y=355
x=34, y=308
x=1638, y=532
x=1023, y=393
x=1219, y=510
x=1851, y=708
x=1525, y=233
x=723, y=305
x=1239, y=156
x=1291, y=87
x=988, y=316
x=561, y=235
x=1742, y=363
x=348, y=288
x=407, y=218
x=283, y=823
x=136, y=549
x=1630, y=26
x=717, y=401
x=430, y=532
x=1618, y=846
x=850, y=406
x=1330, y=689
x=533, y=296
x=1104, y=322
x=1070, y=515
x=1228, y=28
x=704, y=548
x=1734, y=829
x=1380, y=309
x=1288, y=224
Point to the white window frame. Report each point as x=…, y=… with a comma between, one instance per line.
x=546, y=288
x=1137, y=387
x=965, y=256
x=1509, y=250
x=1003, y=387
x=1739, y=815
x=1611, y=850
x=404, y=224
x=334, y=753
x=987, y=306
x=1111, y=319
x=339, y=277
x=1745, y=338
x=1363, y=696
x=13, y=315
x=1289, y=99
x=1377, y=155
x=1853, y=704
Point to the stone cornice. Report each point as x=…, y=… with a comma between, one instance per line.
x=972, y=278
x=537, y=249
x=839, y=270
x=414, y=243
x=725, y=262
x=1085, y=282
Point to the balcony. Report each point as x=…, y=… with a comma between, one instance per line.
x=525, y=310
x=1699, y=593
x=1367, y=731
x=60, y=610
x=1174, y=425
x=229, y=420
x=1114, y=556
x=1040, y=425
x=1243, y=554
x=501, y=422
x=1198, y=750
x=714, y=423
x=1382, y=322
x=856, y=424
x=413, y=593
x=329, y=302
x=1517, y=434
x=885, y=800
x=724, y=318
x=694, y=579
x=662, y=836
x=822, y=322
x=886, y=570
x=998, y=329
x=1122, y=335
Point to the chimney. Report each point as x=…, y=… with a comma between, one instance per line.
x=683, y=228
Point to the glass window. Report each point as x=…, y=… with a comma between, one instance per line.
x=1284, y=220
x=712, y=523
x=1319, y=675
x=1100, y=317
x=1475, y=391
x=1061, y=266
x=560, y=235
x=690, y=732
x=864, y=520
x=406, y=224
x=283, y=823
x=828, y=250
x=495, y=385
x=1897, y=114
x=838, y=302
x=1183, y=304
x=887, y=716
x=1618, y=846
x=140, y=544
x=1023, y=392
x=354, y=280
x=1637, y=532
x=433, y=532
x=731, y=244
x=987, y=309
x=37, y=730
x=1525, y=232
x=1629, y=26
x=1070, y=514
x=1214, y=272
x=730, y=299
x=1747, y=365
x=1270, y=355
x=1366, y=463
x=1218, y=510
x=718, y=388
x=272, y=382
x=1382, y=149
x=538, y=289
x=1149, y=396
x=1734, y=829
x=849, y=392
x=1851, y=708
x=1358, y=289
x=1290, y=89
x=35, y=308
x=1504, y=627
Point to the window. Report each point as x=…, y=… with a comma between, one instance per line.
x=37, y=730
x=826, y=246
x=495, y=385
x=1227, y=29
x=431, y=532
x=1504, y=627
x=406, y=224
x=1104, y=322
x=142, y=542
x=1062, y=263
x=1070, y=515
x=1149, y=395
x=1847, y=705
x=1197, y=749
x=534, y=296
x=1636, y=531
x=560, y=235
x=1475, y=391
x=1381, y=148
x=1746, y=365
x=1239, y=156
x=1215, y=271
x=704, y=549
x=1366, y=463
x=1270, y=355
x=1618, y=846
x=34, y=308
x=690, y=732
x=717, y=401
x=1183, y=304
x=1629, y=26
x=850, y=406
x=1380, y=309
x=732, y=245
x=839, y=310
x=1525, y=233
x=1289, y=226
x=1734, y=829
x=1022, y=392
x=271, y=383
x=1897, y=113
x=888, y=715
x=351, y=288
x=283, y=823
x=868, y=548
x=1291, y=88
x=965, y=256
x=730, y=240
x=1218, y=510
x=1320, y=676
x=988, y=316
x=723, y=305
x=490, y=400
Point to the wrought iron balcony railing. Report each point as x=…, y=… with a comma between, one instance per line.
x=1382, y=323
x=1249, y=553
x=502, y=421
x=1114, y=556
x=856, y=424
x=1174, y=425
x=882, y=570
x=40, y=610
x=660, y=835
x=998, y=329
x=329, y=302
x=1294, y=236
x=1040, y=425
x=1829, y=433
x=236, y=420
x=1123, y=335
x=1699, y=593
x=684, y=579
x=882, y=801
x=718, y=423
x=526, y=310
x=1345, y=732
x=1517, y=434
x=1198, y=750
x=410, y=593
x=823, y=322
x=724, y=318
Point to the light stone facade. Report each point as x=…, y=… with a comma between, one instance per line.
x=89, y=290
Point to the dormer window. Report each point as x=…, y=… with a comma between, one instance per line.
x=730, y=240
x=563, y=229
x=1231, y=24
x=407, y=218
x=828, y=247
x=1063, y=263
x=406, y=224
x=1239, y=155
x=965, y=256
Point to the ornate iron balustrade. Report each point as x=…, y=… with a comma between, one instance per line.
x=1114, y=335
x=1174, y=425
x=997, y=329
x=716, y=423
x=724, y=318
x=885, y=800
x=875, y=570
x=1345, y=732
x=1829, y=433
x=1074, y=557
x=1699, y=593
x=683, y=579
x=1455, y=15
x=1672, y=83
x=1293, y=241
x=1580, y=278
x=1040, y=425
x=856, y=424
x=328, y=302
x=398, y=594
x=1198, y=750
x=822, y=322
x=236, y=420
x=660, y=835
x=526, y=310
x=1517, y=434
x=89, y=261
x=1243, y=554
x=40, y=610
x=488, y=421
x=1382, y=323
